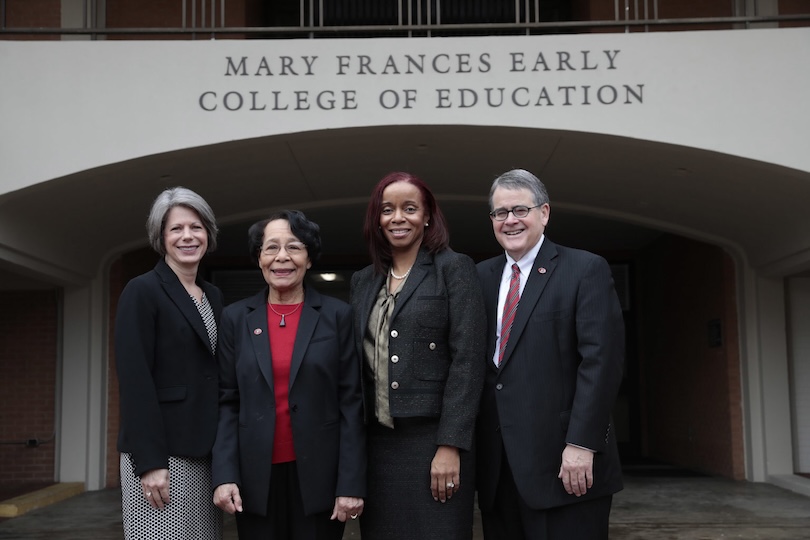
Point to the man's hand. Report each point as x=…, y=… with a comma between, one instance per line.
x=576, y=471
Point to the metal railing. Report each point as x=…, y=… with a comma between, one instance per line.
x=627, y=12
x=414, y=17
x=201, y=13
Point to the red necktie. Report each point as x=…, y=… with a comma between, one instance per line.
x=509, y=309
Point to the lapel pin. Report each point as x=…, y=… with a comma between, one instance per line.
x=541, y=270
x=257, y=331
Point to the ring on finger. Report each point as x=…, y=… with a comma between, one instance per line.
x=354, y=516
x=450, y=485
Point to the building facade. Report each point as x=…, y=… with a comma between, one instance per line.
x=672, y=136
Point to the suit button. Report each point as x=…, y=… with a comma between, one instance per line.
x=294, y=408
x=394, y=333
x=498, y=386
x=395, y=385
x=432, y=346
x=395, y=359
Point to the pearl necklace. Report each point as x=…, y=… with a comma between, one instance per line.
x=393, y=275
x=283, y=323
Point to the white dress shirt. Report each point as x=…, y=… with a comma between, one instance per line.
x=525, y=264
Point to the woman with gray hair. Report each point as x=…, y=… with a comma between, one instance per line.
x=165, y=345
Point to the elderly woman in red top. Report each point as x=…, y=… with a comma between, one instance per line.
x=289, y=457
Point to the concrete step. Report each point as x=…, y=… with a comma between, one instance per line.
x=17, y=506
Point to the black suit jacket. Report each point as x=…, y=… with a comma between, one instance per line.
x=325, y=400
x=437, y=335
x=558, y=379
x=167, y=373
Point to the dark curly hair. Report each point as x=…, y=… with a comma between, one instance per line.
x=305, y=230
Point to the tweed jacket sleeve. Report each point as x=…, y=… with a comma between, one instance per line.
x=466, y=338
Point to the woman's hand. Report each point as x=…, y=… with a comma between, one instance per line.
x=347, y=507
x=227, y=498
x=155, y=485
x=444, y=473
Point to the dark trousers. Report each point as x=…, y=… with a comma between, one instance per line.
x=512, y=519
x=285, y=519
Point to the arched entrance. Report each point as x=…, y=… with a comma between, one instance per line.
x=675, y=222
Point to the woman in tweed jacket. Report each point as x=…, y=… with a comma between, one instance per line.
x=420, y=325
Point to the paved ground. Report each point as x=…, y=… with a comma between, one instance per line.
x=650, y=508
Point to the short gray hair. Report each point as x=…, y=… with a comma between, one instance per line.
x=520, y=179
x=179, y=196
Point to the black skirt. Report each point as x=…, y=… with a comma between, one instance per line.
x=399, y=503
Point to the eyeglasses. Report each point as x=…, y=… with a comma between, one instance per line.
x=292, y=249
x=500, y=214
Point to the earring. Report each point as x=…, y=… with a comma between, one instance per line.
x=427, y=224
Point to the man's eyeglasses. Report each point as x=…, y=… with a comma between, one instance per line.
x=292, y=249
x=500, y=214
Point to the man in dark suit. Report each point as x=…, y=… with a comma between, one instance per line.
x=548, y=462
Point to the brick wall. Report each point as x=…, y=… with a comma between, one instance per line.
x=28, y=365
x=162, y=14
x=245, y=13
x=601, y=10
x=691, y=390
x=794, y=7
x=32, y=14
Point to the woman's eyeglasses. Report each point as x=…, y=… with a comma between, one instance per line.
x=292, y=249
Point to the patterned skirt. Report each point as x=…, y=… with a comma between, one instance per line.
x=191, y=514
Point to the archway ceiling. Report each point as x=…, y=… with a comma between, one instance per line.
x=607, y=193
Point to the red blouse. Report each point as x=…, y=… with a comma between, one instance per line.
x=282, y=340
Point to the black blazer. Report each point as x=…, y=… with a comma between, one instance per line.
x=558, y=379
x=437, y=333
x=325, y=399
x=167, y=373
